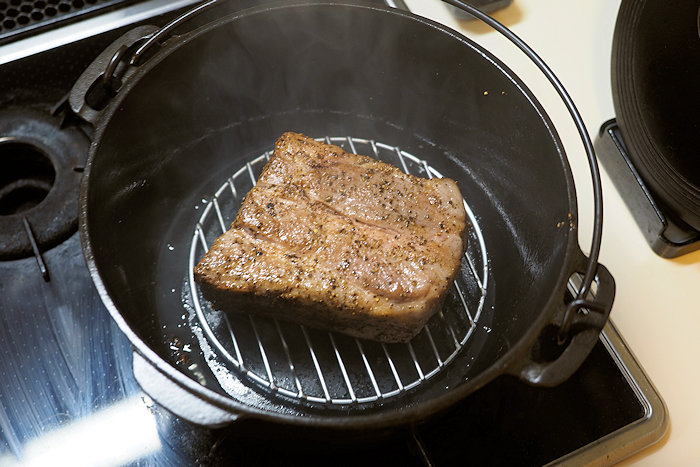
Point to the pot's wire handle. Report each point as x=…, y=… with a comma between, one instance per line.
x=592, y=263
x=167, y=30
x=577, y=329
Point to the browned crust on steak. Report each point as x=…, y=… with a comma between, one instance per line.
x=338, y=241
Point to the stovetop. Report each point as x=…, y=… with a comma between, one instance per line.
x=69, y=394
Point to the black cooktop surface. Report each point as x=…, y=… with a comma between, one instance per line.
x=68, y=392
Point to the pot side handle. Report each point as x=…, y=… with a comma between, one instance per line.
x=102, y=79
x=176, y=399
x=589, y=320
x=105, y=76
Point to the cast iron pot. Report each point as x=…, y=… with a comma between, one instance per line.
x=655, y=67
x=169, y=129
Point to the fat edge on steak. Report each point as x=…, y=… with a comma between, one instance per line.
x=338, y=241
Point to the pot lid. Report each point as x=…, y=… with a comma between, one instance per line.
x=655, y=76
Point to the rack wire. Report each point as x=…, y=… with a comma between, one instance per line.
x=325, y=367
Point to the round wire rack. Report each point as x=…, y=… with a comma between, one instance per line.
x=319, y=366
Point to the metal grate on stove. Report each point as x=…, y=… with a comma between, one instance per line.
x=325, y=367
x=21, y=16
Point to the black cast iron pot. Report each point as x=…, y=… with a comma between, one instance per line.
x=176, y=129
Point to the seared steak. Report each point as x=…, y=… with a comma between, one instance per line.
x=338, y=241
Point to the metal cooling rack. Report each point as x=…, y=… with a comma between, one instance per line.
x=325, y=367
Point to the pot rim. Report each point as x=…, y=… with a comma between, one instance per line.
x=382, y=419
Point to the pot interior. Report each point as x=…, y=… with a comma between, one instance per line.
x=212, y=102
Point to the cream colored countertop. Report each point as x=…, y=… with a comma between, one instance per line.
x=657, y=304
